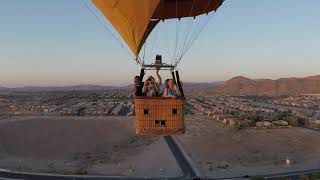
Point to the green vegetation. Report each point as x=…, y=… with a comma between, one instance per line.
x=316, y=175
x=81, y=171
x=256, y=178
x=302, y=121
x=259, y=98
x=282, y=178
x=250, y=119
x=313, y=176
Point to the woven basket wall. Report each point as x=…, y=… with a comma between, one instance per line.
x=169, y=111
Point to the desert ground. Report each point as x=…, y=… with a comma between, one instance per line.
x=108, y=146
x=220, y=151
x=83, y=145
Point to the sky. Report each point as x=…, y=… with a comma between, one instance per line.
x=60, y=42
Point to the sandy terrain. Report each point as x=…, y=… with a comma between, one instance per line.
x=108, y=146
x=226, y=152
x=153, y=161
x=86, y=145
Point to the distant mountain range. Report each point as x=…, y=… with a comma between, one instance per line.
x=60, y=88
x=284, y=86
x=3, y=88
x=187, y=85
x=235, y=86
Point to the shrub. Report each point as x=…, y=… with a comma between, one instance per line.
x=256, y=178
x=301, y=121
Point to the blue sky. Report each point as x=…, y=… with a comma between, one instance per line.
x=45, y=42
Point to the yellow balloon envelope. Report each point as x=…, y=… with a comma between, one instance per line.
x=135, y=19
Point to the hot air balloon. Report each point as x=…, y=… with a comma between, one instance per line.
x=135, y=21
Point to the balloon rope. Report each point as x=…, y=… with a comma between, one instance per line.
x=196, y=36
x=155, y=39
x=177, y=39
x=192, y=40
x=190, y=31
x=177, y=34
x=194, y=29
x=106, y=28
x=188, y=27
x=144, y=51
x=201, y=29
x=196, y=33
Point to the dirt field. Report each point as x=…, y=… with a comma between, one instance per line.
x=86, y=145
x=226, y=152
x=108, y=146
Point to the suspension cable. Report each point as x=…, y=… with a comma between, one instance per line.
x=189, y=34
x=144, y=51
x=192, y=40
x=108, y=30
x=188, y=27
x=156, y=32
x=197, y=35
x=198, y=28
x=176, y=40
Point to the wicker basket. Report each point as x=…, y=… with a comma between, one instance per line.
x=159, y=115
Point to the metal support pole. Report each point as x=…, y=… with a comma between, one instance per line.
x=141, y=75
x=179, y=84
x=173, y=77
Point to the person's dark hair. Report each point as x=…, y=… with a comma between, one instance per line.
x=150, y=78
x=137, y=78
x=137, y=86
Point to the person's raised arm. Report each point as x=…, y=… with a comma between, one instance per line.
x=144, y=88
x=159, y=78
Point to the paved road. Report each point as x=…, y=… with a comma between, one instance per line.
x=30, y=176
x=311, y=128
x=291, y=175
x=182, y=161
